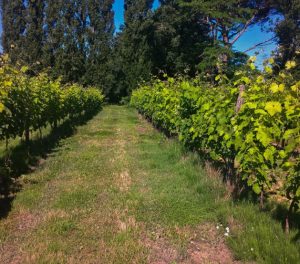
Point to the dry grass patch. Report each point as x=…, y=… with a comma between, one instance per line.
x=91, y=143
x=124, y=181
x=160, y=251
x=124, y=221
x=27, y=221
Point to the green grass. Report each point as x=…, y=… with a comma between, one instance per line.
x=118, y=191
x=79, y=198
x=183, y=194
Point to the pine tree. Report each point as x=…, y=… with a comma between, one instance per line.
x=132, y=62
x=288, y=31
x=228, y=20
x=169, y=40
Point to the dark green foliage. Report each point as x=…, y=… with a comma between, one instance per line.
x=169, y=40
x=136, y=10
x=99, y=33
x=14, y=25
x=131, y=60
x=227, y=21
x=228, y=18
x=288, y=32
x=177, y=39
x=33, y=42
x=71, y=39
x=66, y=39
x=75, y=39
x=53, y=34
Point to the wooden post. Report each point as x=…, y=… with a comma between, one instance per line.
x=287, y=219
x=240, y=100
x=261, y=200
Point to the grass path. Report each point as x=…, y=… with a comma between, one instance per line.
x=120, y=192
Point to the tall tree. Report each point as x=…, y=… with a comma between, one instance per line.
x=54, y=34
x=100, y=30
x=136, y=10
x=14, y=26
x=71, y=62
x=228, y=20
x=177, y=39
x=32, y=47
x=288, y=30
x=169, y=39
x=132, y=62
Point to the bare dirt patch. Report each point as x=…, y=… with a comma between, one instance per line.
x=205, y=245
x=9, y=254
x=208, y=246
x=27, y=221
x=10, y=250
x=161, y=251
x=206, y=252
x=142, y=129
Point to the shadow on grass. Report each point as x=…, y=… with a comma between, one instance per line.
x=25, y=158
x=279, y=212
x=240, y=192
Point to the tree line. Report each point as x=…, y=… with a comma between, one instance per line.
x=77, y=39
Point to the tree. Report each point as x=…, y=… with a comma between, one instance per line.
x=136, y=10
x=14, y=26
x=32, y=46
x=100, y=30
x=228, y=20
x=169, y=40
x=53, y=35
x=132, y=61
x=70, y=63
x=288, y=30
x=177, y=39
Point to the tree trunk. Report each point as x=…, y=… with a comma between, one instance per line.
x=225, y=36
x=27, y=135
x=287, y=219
x=41, y=133
x=6, y=143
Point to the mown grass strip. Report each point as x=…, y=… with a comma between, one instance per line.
x=118, y=191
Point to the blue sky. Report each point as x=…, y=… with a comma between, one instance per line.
x=253, y=36
x=119, y=12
